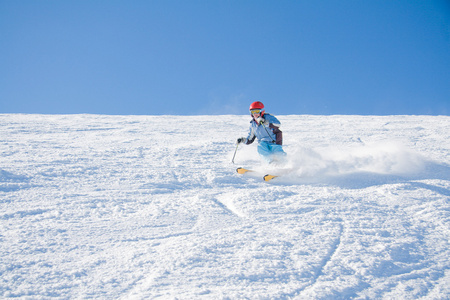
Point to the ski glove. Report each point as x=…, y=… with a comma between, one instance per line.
x=262, y=121
x=240, y=140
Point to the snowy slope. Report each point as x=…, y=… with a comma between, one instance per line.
x=134, y=207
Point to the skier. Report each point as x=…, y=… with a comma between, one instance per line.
x=265, y=128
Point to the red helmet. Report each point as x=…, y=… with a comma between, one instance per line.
x=257, y=105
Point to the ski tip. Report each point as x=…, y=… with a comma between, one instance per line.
x=269, y=177
x=242, y=170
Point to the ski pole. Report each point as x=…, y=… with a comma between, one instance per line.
x=237, y=144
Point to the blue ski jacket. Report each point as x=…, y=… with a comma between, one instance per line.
x=270, y=133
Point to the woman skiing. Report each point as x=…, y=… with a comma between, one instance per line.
x=265, y=128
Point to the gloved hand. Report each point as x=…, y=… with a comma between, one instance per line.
x=261, y=121
x=240, y=140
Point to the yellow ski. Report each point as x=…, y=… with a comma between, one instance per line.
x=242, y=170
x=269, y=177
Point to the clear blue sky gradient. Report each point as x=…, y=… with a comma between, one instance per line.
x=192, y=57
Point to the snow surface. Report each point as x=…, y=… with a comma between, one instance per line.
x=134, y=207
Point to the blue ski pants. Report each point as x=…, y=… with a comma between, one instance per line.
x=271, y=152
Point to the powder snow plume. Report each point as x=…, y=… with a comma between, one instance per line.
x=388, y=158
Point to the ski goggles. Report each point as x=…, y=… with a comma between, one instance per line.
x=255, y=111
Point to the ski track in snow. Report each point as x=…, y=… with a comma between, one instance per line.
x=136, y=207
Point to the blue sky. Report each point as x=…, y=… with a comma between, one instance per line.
x=216, y=57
